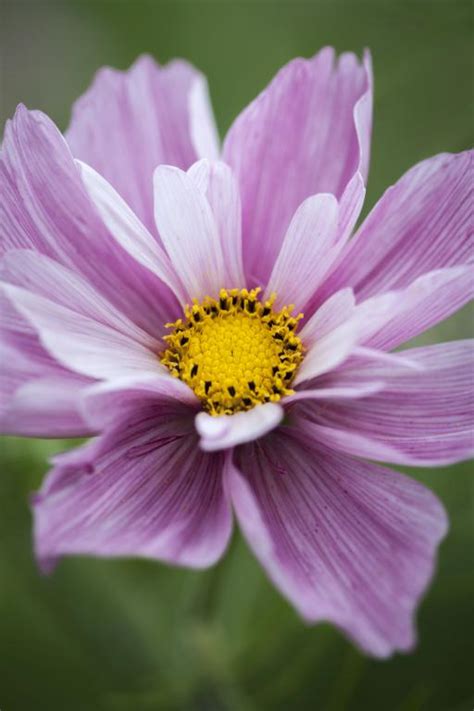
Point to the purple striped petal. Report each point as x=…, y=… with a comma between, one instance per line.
x=38, y=396
x=422, y=418
x=44, y=277
x=341, y=392
x=422, y=223
x=43, y=407
x=129, y=122
x=104, y=403
x=46, y=208
x=427, y=301
x=354, y=327
x=307, y=133
x=81, y=343
x=127, y=229
x=344, y=541
x=143, y=489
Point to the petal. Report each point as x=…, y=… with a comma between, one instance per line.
x=314, y=240
x=38, y=397
x=306, y=250
x=307, y=133
x=81, y=343
x=144, y=489
x=389, y=319
x=428, y=300
x=46, y=208
x=330, y=351
x=421, y=418
x=365, y=371
x=344, y=541
x=342, y=392
x=104, y=403
x=127, y=229
x=333, y=313
x=44, y=277
x=334, y=347
x=45, y=407
x=219, y=185
x=129, y=122
x=228, y=431
x=204, y=135
x=422, y=223
x=189, y=232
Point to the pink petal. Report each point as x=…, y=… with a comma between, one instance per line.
x=46, y=208
x=362, y=322
x=81, y=343
x=127, y=229
x=104, y=403
x=129, y=122
x=421, y=418
x=219, y=185
x=349, y=208
x=28, y=405
x=344, y=541
x=306, y=249
x=386, y=320
x=342, y=392
x=45, y=407
x=307, y=133
x=330, y=351
x=333, y=313
x=189, y=232
x=143, y=489
x=228, y=431
x=44, y=277
x=364, y=371
x=428, y=300
x=422, y=223
x=204, y=135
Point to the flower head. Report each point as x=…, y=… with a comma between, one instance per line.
x=207, y=313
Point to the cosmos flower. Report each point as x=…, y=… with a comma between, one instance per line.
x=206, y=313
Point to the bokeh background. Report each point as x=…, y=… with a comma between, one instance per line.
x=138, y=636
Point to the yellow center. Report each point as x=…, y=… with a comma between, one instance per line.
x=235, y=352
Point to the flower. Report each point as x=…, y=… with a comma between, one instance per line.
x=207, y=314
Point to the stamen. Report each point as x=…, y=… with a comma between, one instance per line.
x=235, y=351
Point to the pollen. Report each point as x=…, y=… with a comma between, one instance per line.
x=235, y=351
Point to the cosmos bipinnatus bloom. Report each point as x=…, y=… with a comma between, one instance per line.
x=205, y=311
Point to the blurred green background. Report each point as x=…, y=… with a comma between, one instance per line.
x=137, y=636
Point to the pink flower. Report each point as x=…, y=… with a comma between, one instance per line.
x=247, y=407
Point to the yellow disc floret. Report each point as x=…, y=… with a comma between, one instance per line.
x=235, y=351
